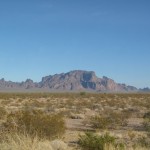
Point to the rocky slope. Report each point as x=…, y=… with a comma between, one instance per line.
x=77, y=80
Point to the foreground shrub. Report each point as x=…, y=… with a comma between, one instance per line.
x=35, y=123
x=91, y=141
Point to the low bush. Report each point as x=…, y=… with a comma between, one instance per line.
x=147, y=115
x=144, y=142
x=98, y=122
x=35, y=123
x=82, y=93
x=108, y=120
x=91, y=141
x=119, y=118
x=146, y=123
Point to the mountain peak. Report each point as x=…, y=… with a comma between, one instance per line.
x=75, y=80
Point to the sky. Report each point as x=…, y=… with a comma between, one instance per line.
x=45, y=37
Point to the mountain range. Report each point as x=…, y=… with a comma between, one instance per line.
x=77, y=80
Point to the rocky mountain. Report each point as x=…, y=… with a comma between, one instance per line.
x=77, y=80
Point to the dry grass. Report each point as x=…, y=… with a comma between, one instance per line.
x=25, y=142
x=118, y=113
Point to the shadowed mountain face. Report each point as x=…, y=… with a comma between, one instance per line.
x=77, y=80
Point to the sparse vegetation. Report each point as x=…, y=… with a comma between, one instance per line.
x=48, y=116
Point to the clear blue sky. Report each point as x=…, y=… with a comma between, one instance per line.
x=43, y=37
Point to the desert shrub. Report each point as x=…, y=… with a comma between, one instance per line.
x=35, y=123
x=119, y=118
x=82, y=93
x=3, y=113
x=110, y=120
x=91, y=141
x=146, y=125
x=147, y=115
x=131, y=135
x=146, y=122
x=99, y=122
x=144, y=142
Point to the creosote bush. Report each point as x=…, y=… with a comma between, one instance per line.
x=91, y=141
x=35, y=123
x=99, y=122
x=109, y=120
x=147, y=115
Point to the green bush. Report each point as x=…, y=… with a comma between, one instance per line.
x=35, y=123
x=91, y=141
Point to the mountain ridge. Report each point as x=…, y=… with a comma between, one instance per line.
x=76, y=80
